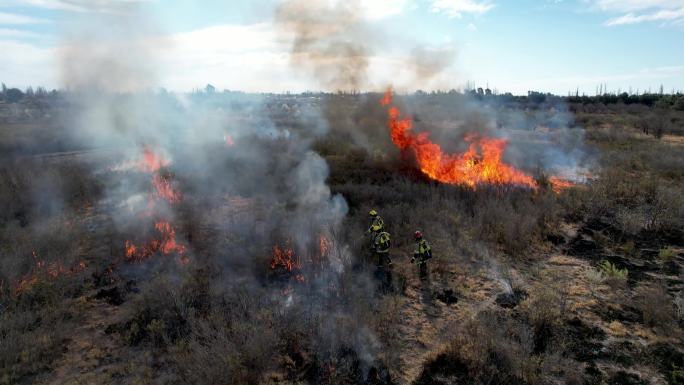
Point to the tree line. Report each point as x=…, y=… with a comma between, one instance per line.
x=673, y=101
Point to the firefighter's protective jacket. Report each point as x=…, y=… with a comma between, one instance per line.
x=423, y=251
x=377, y=224
x=382, y=242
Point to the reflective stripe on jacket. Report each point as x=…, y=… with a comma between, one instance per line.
x=377, y=224
x=422, y=249
x=382, y=242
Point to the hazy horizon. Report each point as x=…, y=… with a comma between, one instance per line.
x=555, y=46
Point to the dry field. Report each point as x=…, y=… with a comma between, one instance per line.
x=528, y=286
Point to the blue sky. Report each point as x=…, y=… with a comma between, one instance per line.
x=516, y=46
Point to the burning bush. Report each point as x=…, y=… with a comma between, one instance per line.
x=480, y=164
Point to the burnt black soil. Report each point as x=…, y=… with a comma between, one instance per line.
x=511, y=300
x=623, y=378
x=669, y=360
x=584, y=341
x=588, y=245
x=624, y=313
x=348, y=365
x=448, y=296
x=116, y=295
x=443, y=370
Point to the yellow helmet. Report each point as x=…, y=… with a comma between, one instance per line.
x=373, y=213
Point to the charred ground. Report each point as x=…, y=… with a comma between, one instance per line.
x=532, y=287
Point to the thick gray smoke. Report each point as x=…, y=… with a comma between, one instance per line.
x=335, y=43
x=329, y=41
x=216, y=148
x=429, y=62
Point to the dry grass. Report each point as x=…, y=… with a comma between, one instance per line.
x=211, y=324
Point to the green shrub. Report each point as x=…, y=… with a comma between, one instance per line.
x=667, y=254
x=610, y=271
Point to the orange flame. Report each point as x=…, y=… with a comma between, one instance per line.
x=165, y=190
x=324, y=245
x=151, y=161
x=481, y=164
x=558, y=184
x=285, y=258
x=46, y=271
x=165, y=243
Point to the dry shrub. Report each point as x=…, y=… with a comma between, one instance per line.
x=656, y=306
x=47, y=253
x=515, y=220
x=640, y=185
x=228, y=348
x=489, y=349
x=159, y=316
x=32, y=338
x=34, y=188
x=544, y=310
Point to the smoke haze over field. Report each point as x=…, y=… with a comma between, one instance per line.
x=153, y=235
x=239, y=45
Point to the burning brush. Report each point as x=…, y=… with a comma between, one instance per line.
x=44, y=271
x=164, y=238
x=286, y=264
x=481, y=164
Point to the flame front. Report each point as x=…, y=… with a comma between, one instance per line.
x=45, y=271
x=284, y=258
x=165, y=240
x=164, y=243
x=481, y=164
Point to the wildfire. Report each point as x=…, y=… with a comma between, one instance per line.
x=285, y=262
x=164, y=189
x=324, y=245
x=319, y=259
x=46, y=271
x=284, y=259
x=481, y=163
x=165, y=241
x=151, y=161
x=558, y=184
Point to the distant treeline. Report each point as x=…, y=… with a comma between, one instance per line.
x=660, y=100
x=673, y=101
x=15, y=95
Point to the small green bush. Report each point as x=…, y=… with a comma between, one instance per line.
x=667, y=254
x=610, y=271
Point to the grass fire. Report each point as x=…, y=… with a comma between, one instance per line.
x=335, y=193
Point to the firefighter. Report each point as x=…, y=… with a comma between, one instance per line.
x=377, y=224
x=421, y=253
x=381, y=244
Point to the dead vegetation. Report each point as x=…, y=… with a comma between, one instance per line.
x=581, y=320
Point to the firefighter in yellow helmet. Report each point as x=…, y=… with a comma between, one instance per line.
x=381, y=246
x=421, y=253
x=376, y=223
